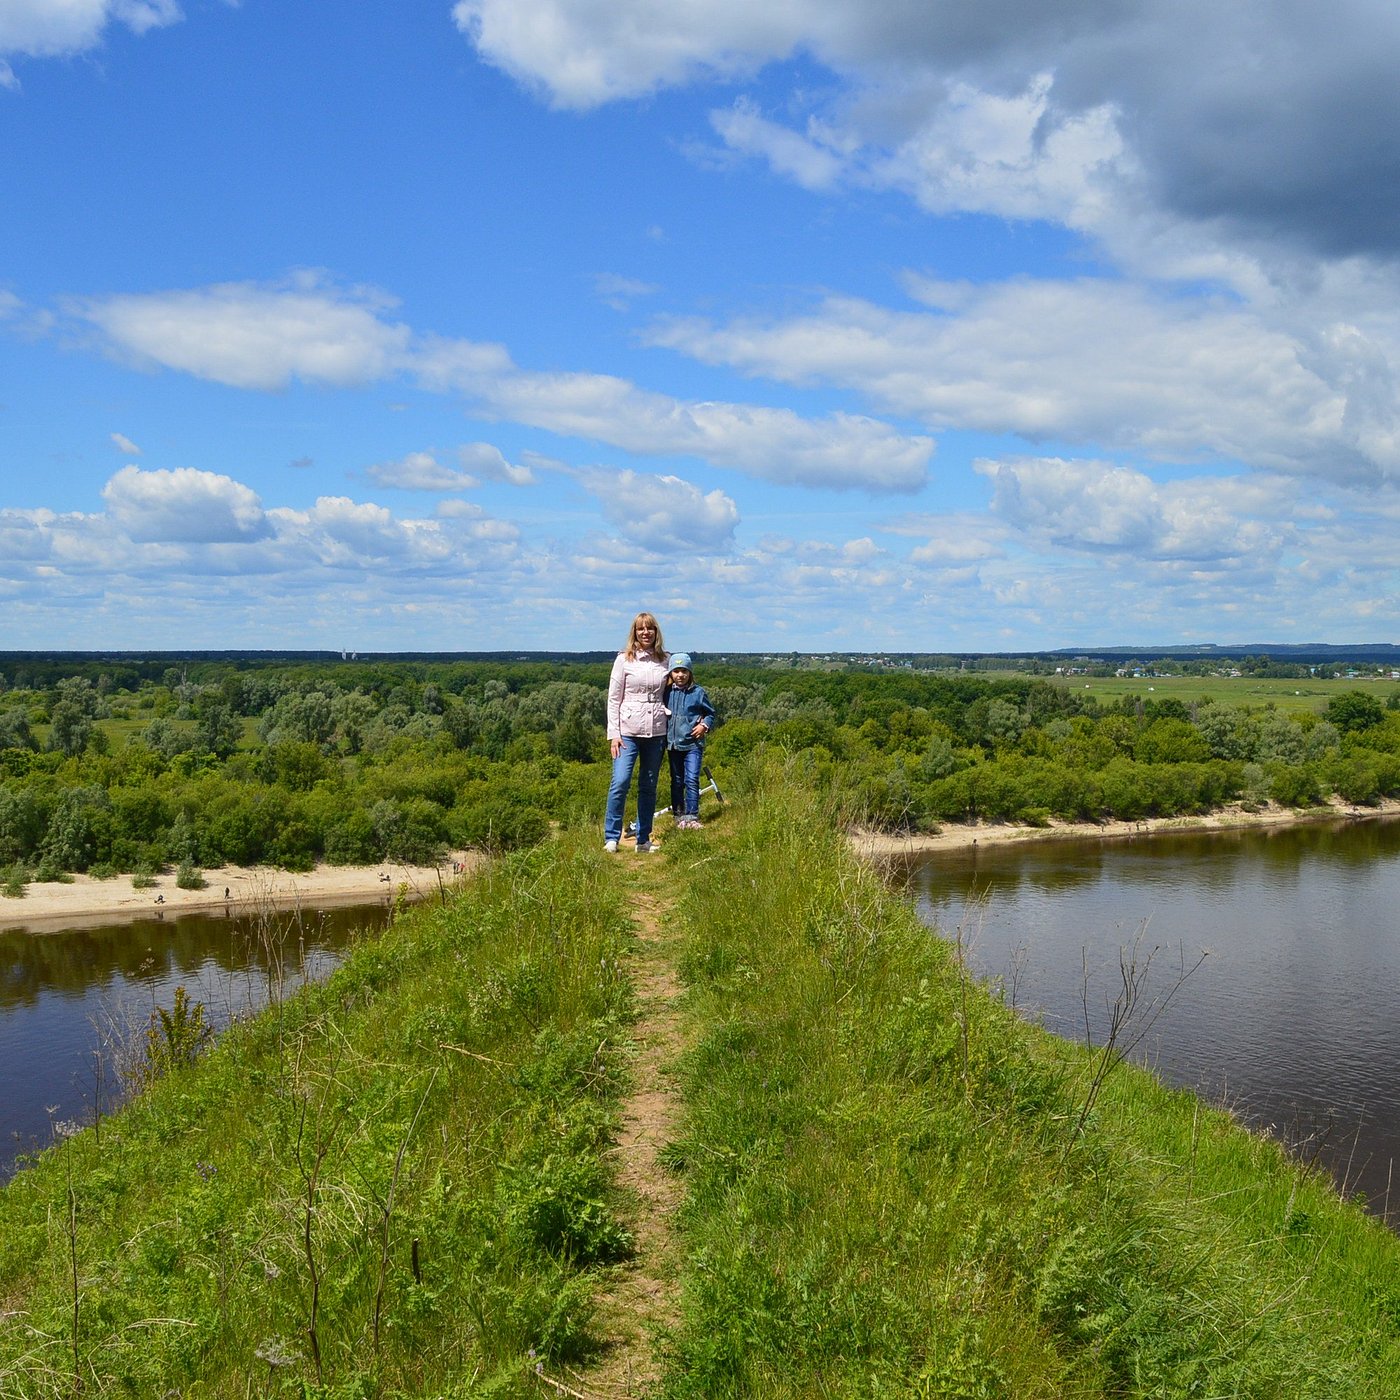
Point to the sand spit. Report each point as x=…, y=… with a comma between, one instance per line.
x=959, y=836
x=51, y=907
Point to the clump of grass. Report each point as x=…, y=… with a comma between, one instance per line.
x=13, y=881
x=895, y=1186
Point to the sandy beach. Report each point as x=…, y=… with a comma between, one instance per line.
x=53, y=906
x=959, y=836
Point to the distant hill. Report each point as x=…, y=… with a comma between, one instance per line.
x=1301, y=652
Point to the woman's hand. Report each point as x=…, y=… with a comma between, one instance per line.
x=616, y=746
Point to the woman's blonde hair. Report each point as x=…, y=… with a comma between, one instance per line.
x=658, y=647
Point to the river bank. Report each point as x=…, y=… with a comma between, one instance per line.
x=52, y=906
x=960, y=836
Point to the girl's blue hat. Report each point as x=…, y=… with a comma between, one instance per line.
x=679, y=659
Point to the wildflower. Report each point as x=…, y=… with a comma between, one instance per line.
x=275, y=1354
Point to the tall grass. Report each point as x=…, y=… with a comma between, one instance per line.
x=393, y=1185
x=398, y=1183
x=891, y=1191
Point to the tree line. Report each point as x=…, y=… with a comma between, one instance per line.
x=130, y=768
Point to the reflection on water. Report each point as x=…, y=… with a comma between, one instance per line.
x=1294, y=1018
x=65, y=996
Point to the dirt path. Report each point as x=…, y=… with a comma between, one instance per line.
x=641, y=1307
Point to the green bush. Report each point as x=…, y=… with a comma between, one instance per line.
x=499, y=823
x=188, y=877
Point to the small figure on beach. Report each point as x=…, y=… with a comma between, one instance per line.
x=691, y=717
x=636, y=729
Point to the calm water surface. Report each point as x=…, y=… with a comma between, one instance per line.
x=64, y=996
x=1294, y=1018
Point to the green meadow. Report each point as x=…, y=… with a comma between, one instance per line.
x=1292, y=696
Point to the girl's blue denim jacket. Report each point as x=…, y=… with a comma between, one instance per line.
x=687, y=707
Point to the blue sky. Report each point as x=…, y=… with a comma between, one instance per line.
x=813, y=326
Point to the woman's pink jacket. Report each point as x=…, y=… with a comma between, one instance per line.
x=635, y=706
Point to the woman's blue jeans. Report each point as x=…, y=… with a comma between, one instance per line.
x=649, y=751
x=685, y=780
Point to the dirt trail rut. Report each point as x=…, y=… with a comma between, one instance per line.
x=640, y=1307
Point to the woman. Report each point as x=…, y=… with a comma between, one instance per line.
x=636, y=728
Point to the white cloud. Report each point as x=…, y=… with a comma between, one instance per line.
x=489, y=463
x=420, y=471
x=184, y=506
x=841, y=451
x=664, y=513
x=342, y=533
x=1095, y=361
x=1096, y=506
x=582, y=54
x=259, y=336
x=44, y=28
x=24, y=535
x=125, y=444
x=958, y=540
x=803, y=157
x=255, y=336
x=620, y=292
x=1252, y=123
x=1006, y=154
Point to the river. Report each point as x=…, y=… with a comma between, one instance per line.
x=1293, y=1019
x=70, y=1000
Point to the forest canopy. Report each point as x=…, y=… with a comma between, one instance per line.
x=127, y=766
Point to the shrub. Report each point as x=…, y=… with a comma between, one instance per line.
x=187, y=877
x=500, y=824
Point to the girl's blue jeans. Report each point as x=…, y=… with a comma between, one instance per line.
x=685, y=780
x=649, y=752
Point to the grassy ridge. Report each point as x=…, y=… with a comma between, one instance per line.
x=891, y=1192
x=398, y=1184
x=391, y=1184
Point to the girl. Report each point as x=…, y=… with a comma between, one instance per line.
x=692, y=718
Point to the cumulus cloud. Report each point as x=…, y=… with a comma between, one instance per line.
x=958, y=540
x=581, y=54
x=841, y=451
x=664, y=513
x=255, y=335
x=342, y=533
x=1254, y=121
x=806, y=157
x=1095, y=361
x=44, y=28
x=489, y=463
x=184, y=506
x=263, y=336
x=1100, y=507
x=420, y=471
